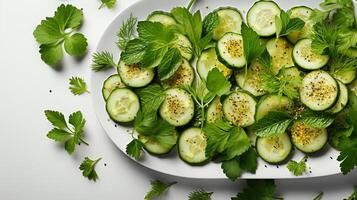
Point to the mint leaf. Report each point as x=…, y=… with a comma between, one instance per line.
x=158, y=188
x=134, y=52
x=285, y=25
x=88, y=168
x=249, y=160
x=217, y=83
x=210, y=22
x=76, y=44
x=134, y=149
x=231, y=168
x=274, y=123
x=171, y=61
x=297, y=168
x=237, y=143
x=251, y=43
x=77, y=85
x=317, y=119
x=217, y=138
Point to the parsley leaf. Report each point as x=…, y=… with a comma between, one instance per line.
x=169, y=64
x=88, y=168
x=77, y=86
x=274, y=123
x=232, y=169
x=257, y=190
x=126, y=32
x=62, y=132
x=134, y=148
x=251, y=43
x=217, y=83
x=107, y=3
x=249, y=160
x=200, y=195
x=285, y=25
x=102, y=61
x=59, y=29
x=317, y=119
x=297, y=168
x=158, y=188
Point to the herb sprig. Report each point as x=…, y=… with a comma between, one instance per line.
x=88, y=168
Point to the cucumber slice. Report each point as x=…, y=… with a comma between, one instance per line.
x=305, y=57
x=273, y=103
x=308, y=139
x=122, y=105
x=239, y=109
x=154, y=147
x=111, y=83
x=274, y=149
x=164, y=18
x=342, y=99
x=230, y=50
x=319, y=90
x=178, y=107
x=230, y=20
x=192, y=146
x=134, y=75
x=207, y=61
x=183, y=76
x=183, y=44
x=304, y=13
x=345, y=76
x=280, y=51
x=252, y=81
x=261, y=17
x=214, y=111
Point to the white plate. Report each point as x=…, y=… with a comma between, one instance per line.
x=324, y=164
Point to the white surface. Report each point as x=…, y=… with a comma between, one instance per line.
x=172, y=164
x=33, y=167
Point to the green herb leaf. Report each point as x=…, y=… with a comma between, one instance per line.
x=107, y=3
x=297, y=168
x=285, y=25
x=77, y=120
x=353, y=196
x=319, y=196
x=210, y=22
x=48, y=32
x=249, y=160
x=56, y=118
x=217, y=83
x=51, y=54
x=126, y=32
x=251, y=43
x=317, y=119
x=134, y=148
x=59, y=135
x=171, y=61
x=231, y=168
x=102, y=61
x=274, y=123
x=257, y=190
x=237, y=143
x=76, y=44
x=158, y=188
x=77, y=85
x=200, y=195
x=134, y=52
x=88, y=168
x=68, y=16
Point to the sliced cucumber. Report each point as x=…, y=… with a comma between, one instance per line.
x=308, y=139
x=154, y=147
x=230, y=50
x=111, y=83
x=122, y=105
x=230, y=20
x=178, y=107
x=272, y=103
x=342, y=99
x=319, y=90
x=305, y=57
x=274, y=149
x=239, y=109
x=183, y=44
x=214, y=110
x=207, y=61
x=164, y=18
x=192, y=146
x=304, y=13
x=252, y=80
x=261, y=17
x=183, y=76
x=280, y=51
x=134, y=75
x=345, y=76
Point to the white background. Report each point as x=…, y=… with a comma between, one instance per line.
x=33, y=167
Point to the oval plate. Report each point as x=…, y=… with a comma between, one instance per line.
x=320, y=165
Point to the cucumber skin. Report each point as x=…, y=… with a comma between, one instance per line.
x=104, y=84
x=160, y=13
x=301, y=67
x=228, y=8
x=222, y=60
x=280, y=162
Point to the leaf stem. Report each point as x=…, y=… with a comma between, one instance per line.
x=83, y=141
x=191, y=4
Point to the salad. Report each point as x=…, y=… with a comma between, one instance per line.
x=230, y=88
